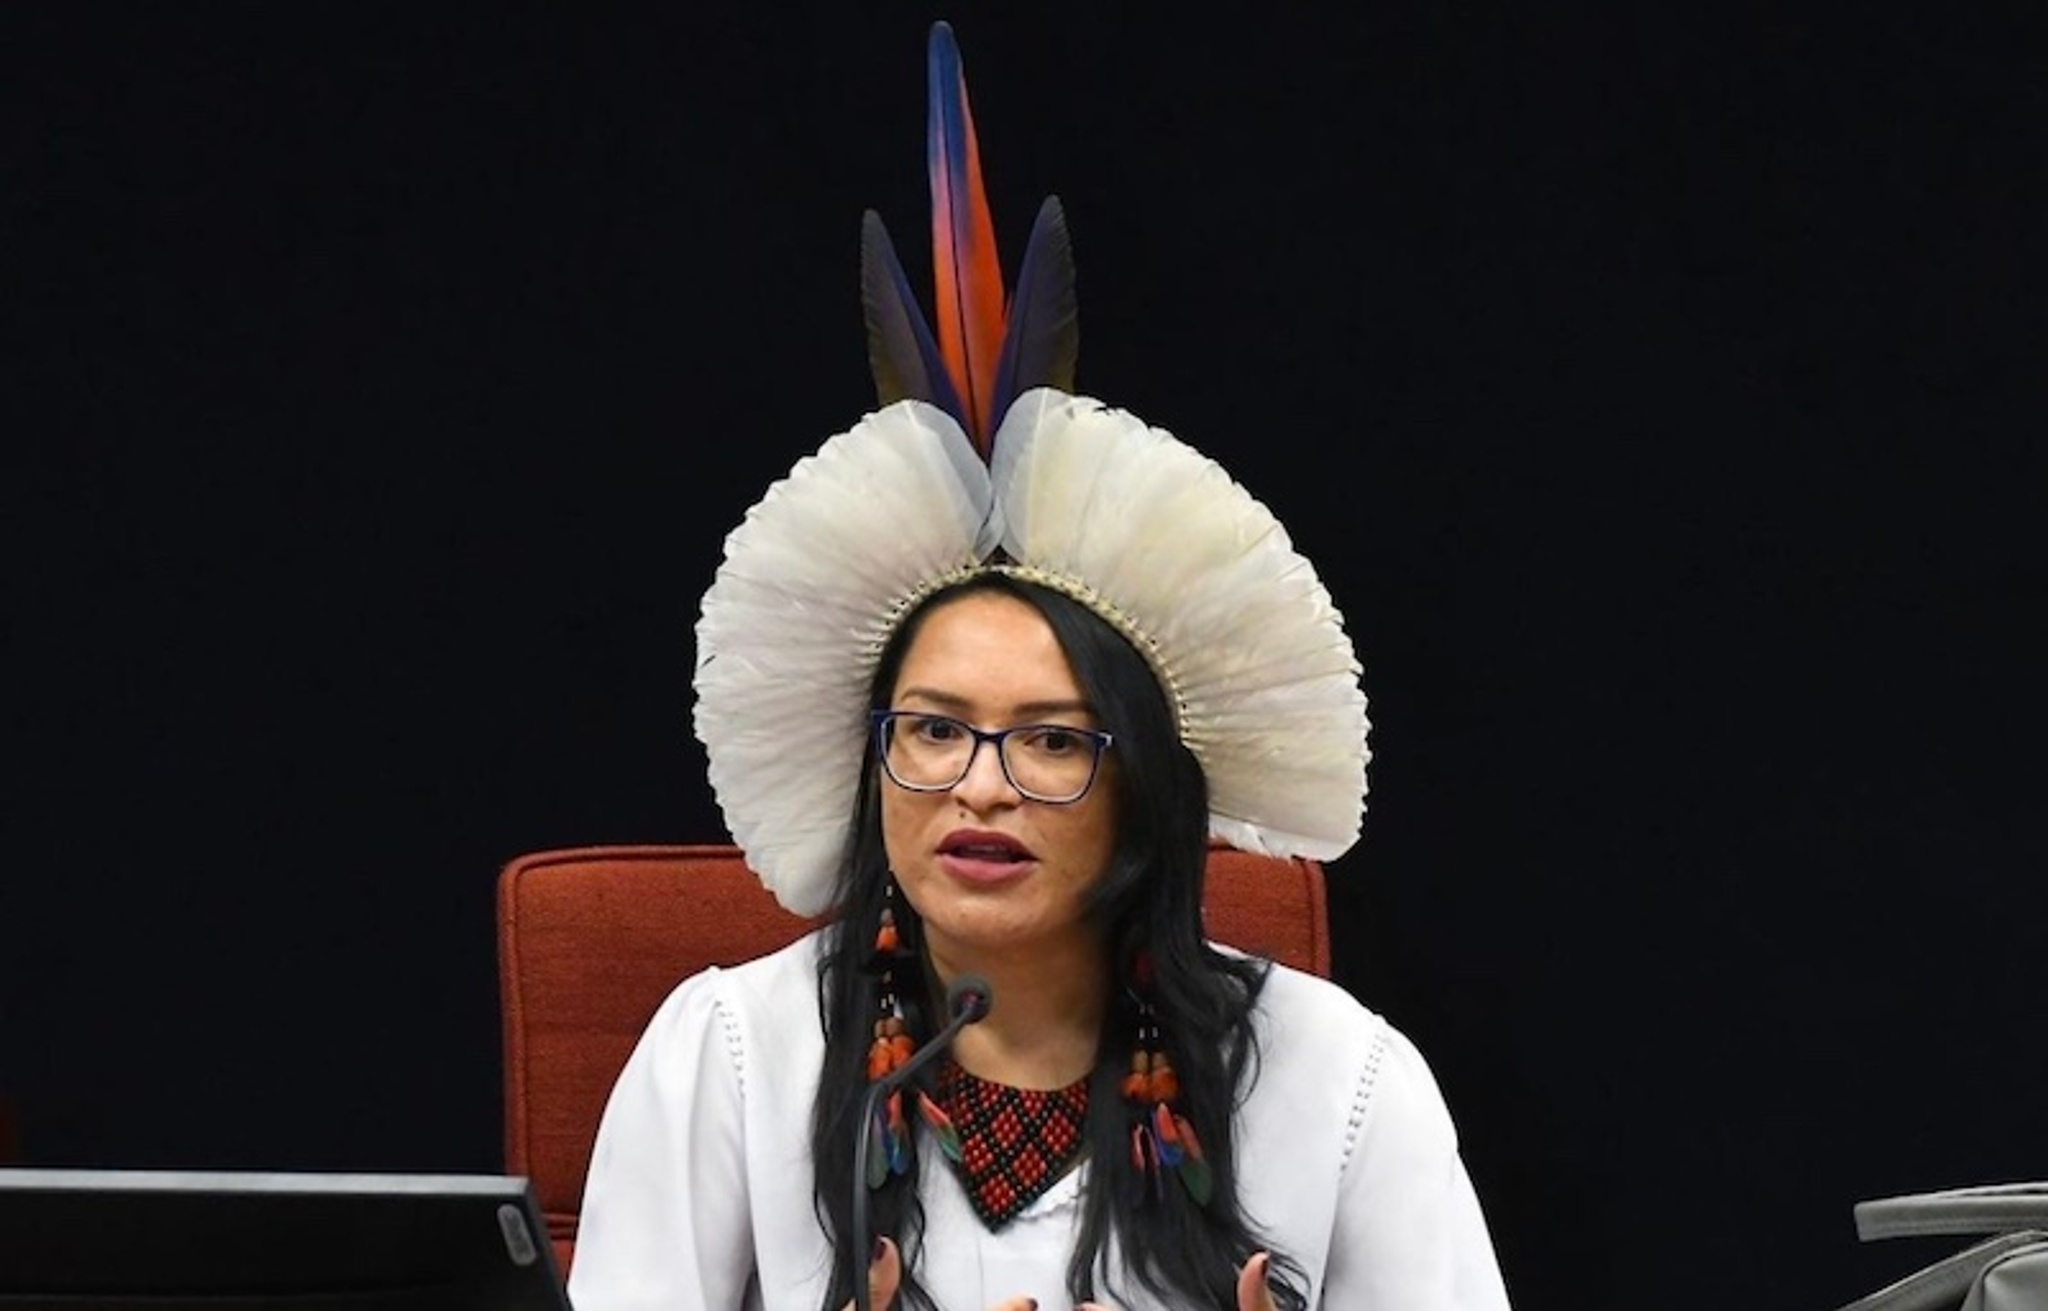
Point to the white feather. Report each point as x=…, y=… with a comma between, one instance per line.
x=794, y=620
x=1249, y=637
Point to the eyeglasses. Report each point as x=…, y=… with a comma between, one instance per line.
x=1052, y=763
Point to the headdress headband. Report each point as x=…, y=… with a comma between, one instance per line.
x=981, y=459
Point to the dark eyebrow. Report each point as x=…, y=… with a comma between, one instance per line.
x=957, y=706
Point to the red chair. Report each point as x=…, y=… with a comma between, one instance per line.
x=591, y=939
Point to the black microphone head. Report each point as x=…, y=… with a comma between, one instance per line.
x=969, y=998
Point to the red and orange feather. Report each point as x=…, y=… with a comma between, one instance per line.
x=968, y=272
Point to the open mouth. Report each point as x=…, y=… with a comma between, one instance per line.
x=991, y=855
x=985, y=848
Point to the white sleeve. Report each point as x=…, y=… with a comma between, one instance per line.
x=1409, y=1230
x=665, y=1220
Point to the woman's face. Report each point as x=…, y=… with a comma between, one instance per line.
x=989, y=871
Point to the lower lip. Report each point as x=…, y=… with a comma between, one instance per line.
x=985, y=873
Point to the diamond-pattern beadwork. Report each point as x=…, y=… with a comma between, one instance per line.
x=1014, y=1142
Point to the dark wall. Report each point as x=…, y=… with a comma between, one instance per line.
x=1659, y=396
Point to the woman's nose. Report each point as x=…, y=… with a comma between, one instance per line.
x=985, y=782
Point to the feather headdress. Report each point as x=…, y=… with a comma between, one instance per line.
x=980, y=458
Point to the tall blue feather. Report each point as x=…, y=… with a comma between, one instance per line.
x=1042, y=342
x=902, y=353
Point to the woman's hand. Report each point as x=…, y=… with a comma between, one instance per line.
x=885, y=1275
x=1252, y=1293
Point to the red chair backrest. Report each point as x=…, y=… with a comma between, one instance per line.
x=591, y=939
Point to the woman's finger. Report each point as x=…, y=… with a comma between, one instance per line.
x=885, y=1273
x=1252, y=1293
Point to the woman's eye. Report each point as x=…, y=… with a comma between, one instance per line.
x=938, y=730
x=1056, y=741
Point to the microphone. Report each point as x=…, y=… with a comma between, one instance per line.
x=967, y=1002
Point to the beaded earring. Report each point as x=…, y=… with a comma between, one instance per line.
x=891, y=1048
x=1161, y=1137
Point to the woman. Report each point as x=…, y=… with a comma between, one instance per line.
x=982, y=678
x=1340, y=1162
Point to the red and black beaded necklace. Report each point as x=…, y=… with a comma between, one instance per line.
x=1007, y=1145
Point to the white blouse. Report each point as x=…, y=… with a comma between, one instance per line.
x=699, y=1195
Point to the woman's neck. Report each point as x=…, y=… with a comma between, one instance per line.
x=1045, y=1023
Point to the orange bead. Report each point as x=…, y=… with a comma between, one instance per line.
x=1165, y=1085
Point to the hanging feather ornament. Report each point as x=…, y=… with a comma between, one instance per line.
x=888, y=1142
x=878, y=1150
x=987, y=350
x=1195, y=1174
x=896, y=1133
x=1167, y=1136
x=1162, y=1140
x=941, y=1125
x=1144, y=1166
x=889, y=1050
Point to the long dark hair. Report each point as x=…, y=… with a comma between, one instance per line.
x=1150, y=900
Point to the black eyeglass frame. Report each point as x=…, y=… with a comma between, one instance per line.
x=879, y=721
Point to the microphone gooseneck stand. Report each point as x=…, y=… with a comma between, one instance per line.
x=967, y=1001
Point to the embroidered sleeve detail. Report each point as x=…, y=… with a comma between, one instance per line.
x=735, y=1045
x=1361, y=1097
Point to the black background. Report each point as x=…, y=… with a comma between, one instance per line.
x=1658, y=391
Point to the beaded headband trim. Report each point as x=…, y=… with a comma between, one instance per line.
x=1072, y=588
